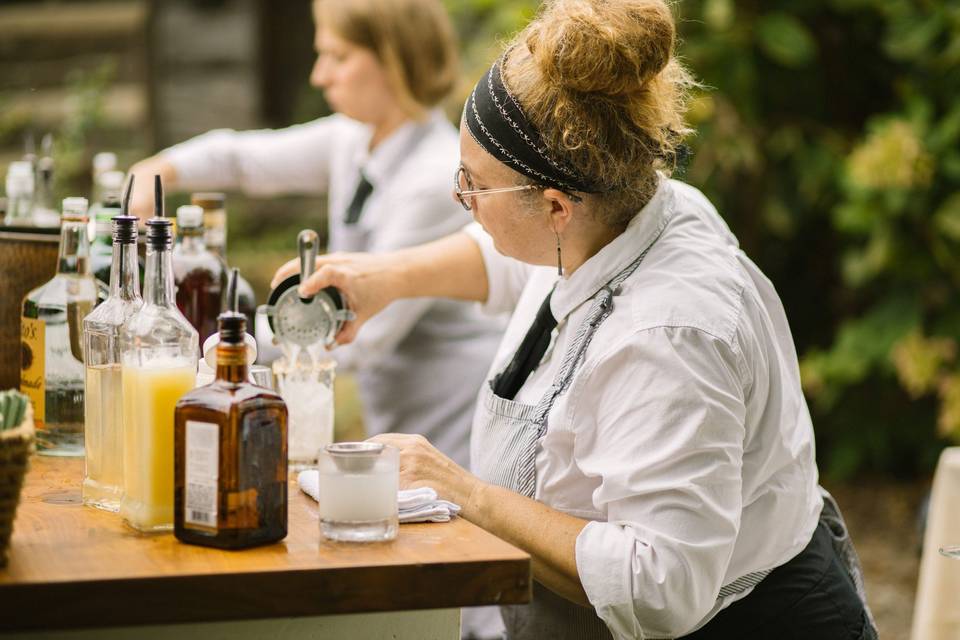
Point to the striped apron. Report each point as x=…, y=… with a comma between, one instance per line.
x=503, y=452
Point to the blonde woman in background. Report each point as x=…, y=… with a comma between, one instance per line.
x=384, y=160
x=642, y=433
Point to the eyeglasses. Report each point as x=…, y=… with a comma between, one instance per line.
x=461, y=178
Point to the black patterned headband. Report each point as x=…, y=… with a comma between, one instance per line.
x=496, y=121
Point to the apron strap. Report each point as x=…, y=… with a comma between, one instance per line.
x=600, y=309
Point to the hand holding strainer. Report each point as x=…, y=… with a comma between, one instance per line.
x=309, y=321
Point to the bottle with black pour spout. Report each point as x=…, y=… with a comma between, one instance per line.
x=230, y=451
x=158, y=352
x=103, y=406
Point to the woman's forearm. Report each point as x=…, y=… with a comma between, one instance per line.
x=548, y=535
x=450, y=267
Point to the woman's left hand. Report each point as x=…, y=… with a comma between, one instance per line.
x=422, y=465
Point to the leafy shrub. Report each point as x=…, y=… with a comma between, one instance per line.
x=829, y=138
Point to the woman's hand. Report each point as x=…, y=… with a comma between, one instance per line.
x=368, y=282
x=422, y=465
x=549, y=536
x=142, y=198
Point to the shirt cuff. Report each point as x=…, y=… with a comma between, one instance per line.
x=498, y=300
x=606, y=579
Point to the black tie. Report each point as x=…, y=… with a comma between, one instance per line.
x=528, y=355
x=364, y=189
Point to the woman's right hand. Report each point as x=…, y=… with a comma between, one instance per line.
x=142, y=198
x=368, y=282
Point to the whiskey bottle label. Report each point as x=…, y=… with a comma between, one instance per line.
x=32, y=368
x=203, y=470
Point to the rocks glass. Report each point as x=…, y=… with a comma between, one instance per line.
x=358, y=483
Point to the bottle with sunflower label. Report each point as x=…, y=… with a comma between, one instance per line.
x=51, y=329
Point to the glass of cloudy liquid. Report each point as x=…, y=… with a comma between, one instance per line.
x=358, y=483
x=307, y=388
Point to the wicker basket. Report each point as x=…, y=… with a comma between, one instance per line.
x=16, y=445
x=27, y=260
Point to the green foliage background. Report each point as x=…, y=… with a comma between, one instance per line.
x=829, y=139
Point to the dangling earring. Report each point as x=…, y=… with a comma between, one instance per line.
x=559, y=258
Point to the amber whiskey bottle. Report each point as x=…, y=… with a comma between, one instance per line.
x=230, y=456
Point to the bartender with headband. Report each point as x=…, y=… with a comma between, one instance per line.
x=642, y=433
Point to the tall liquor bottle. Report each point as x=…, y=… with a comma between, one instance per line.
x=51, y=368
x=158, y=350
x=231, y=453
x=103, y=429
x=214, y=208
x=200, y=276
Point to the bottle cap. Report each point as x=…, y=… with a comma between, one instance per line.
x=20, y=168
x=74, y=208
x=125, y=229
x=208, y=200
x=104, y=161
x=210, y=349
x=159, y=233
x=189, y=216
x=20, y=177
x=111, y=181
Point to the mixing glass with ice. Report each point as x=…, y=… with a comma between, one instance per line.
x=304, y=328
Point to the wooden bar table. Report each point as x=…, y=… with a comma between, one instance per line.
x=79, y=573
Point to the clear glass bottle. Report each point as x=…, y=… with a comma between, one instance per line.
x=52, y=346
x=103, y=425
x=20, y=187
x=231, y=454
x=44, y=212
x=159, y=350
x=200, y=276
x=102, y=211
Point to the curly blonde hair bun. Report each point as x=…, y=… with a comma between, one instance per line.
x=600, y=81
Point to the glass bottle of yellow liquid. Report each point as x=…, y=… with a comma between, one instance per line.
x=159, y=350
x=103, y=407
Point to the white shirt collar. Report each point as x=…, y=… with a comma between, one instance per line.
x=602, y=267
x=377, y=165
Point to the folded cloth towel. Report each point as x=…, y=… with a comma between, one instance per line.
x=414, y=505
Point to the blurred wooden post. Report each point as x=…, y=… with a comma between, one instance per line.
x=204, y=73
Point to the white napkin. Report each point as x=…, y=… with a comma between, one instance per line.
x=415, y=505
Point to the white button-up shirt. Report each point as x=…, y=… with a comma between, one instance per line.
x=684, y=436
x=419, y=361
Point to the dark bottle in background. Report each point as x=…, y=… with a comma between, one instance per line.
x=214, y=208
x=199, y=274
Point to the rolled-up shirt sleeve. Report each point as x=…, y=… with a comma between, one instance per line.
x=263, y=162
x=660, y=423
x=506, y=276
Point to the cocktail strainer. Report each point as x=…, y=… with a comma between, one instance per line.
x=311, y=321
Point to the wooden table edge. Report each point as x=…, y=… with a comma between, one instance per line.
x=278, y=594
